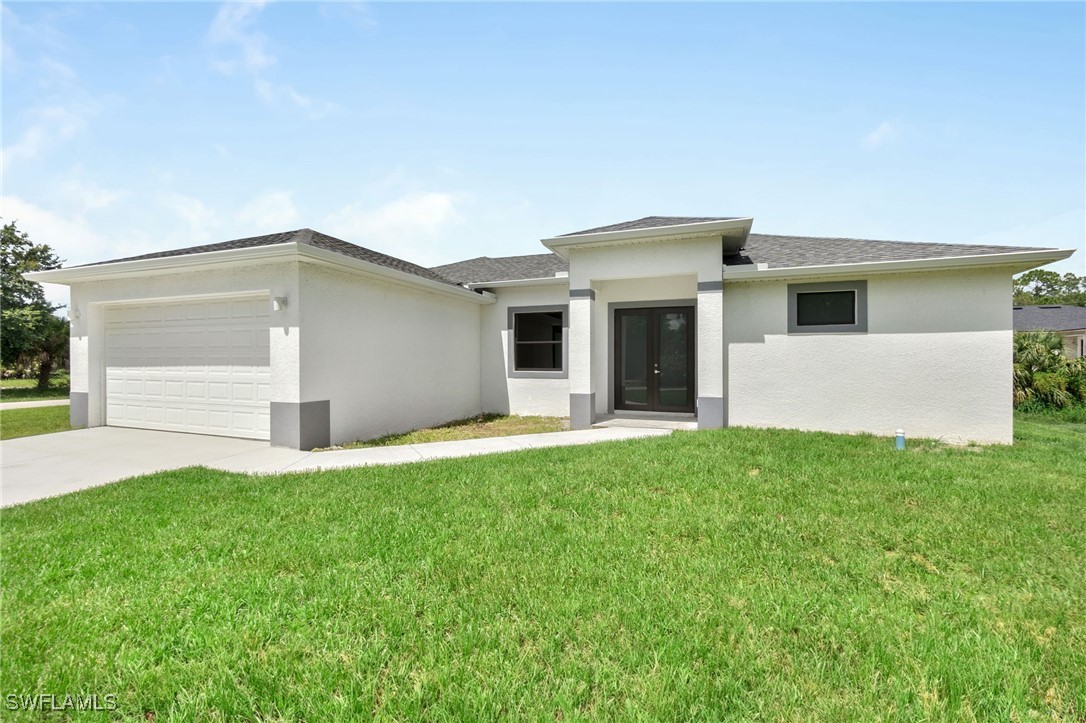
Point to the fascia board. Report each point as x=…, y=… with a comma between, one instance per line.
x=244, y=257
x=164, y=265
x=1024, y=259
x=559, y=244
x=543, y=281
x=331, y=258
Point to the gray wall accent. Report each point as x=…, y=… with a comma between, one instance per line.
x=710, y=286
x=710, y=412
x=510, y=370
x=78, y=412
x=860, y=287
x=582, y=409
x=303, y=425
x=582, y=294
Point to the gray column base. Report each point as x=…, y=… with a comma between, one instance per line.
x=301, y=425
x=710, y=412
x=79, y=409
x=582, y=410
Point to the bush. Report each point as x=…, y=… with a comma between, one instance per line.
x=1043, y=375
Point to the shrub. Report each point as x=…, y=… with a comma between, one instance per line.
x=1043, y=375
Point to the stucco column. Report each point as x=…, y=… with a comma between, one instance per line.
x=86, y=324
x=710, y=330
x=582, y=393
x=295, y=423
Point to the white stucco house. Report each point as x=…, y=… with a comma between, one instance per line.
x=306, y=340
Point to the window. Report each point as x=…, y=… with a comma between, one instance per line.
x=537, y=341
x=819, y=308
x=839, y=307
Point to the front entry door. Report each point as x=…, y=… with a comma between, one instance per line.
x=654, y=359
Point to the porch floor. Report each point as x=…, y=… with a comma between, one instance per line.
x=647, y=420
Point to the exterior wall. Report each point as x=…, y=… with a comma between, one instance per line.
x=936, y=360
x=90, y=300
x=389, y=358
x=1073, y=343
x=501, y=394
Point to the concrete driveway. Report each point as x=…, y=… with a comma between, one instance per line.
x=32, y=468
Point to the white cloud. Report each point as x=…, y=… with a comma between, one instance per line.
x=276, y=93
x=270, y=211
x=886, y=133
x=233, y=27
x=200, y=219
x=406, y=227
x=71, y=238
x=233, y=30
x=89, y=196
x=51, y=126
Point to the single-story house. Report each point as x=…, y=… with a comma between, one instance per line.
x=307, y=340
x=1069, y=321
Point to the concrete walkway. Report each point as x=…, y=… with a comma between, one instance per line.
x=37, y=403
x=33, y=468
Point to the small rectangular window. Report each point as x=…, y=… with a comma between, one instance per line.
x=822, y=308
x=537, y=341
x=828, y=307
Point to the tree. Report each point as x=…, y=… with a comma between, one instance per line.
x=29, y=331
x=1048, y=287
x=1043, y=375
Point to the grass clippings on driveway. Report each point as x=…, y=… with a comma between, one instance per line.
x=478, y=427
x=732, y=574
x=33, y=420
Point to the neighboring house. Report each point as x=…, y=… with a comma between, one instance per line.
x=307, y=340
x=1069, y=321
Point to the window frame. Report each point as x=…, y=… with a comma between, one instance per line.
x=510, y=366
x=859, y=289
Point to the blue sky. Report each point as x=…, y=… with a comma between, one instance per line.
x=437, y=132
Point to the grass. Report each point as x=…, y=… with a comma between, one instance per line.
x=35, y=420
x=1075, y=414
x=25, y=390
x=730, y=575
x=483, y=425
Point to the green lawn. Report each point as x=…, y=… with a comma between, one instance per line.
x=25, y=390
x=34, y=420
x=484, y=425
x=733, y=574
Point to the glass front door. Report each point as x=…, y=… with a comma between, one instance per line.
x=654, y=359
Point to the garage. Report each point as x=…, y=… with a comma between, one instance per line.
x=200, y=366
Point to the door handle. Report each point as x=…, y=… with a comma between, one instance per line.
x=656, y=371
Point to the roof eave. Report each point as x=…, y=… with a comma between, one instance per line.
x=703, y=229
x=1018, y=260
x=540, y=281
x=239, y=257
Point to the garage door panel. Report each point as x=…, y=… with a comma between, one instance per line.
x=199, y=367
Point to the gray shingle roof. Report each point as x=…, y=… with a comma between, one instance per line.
x=1051, y=317
x=504, y=268
x=651, y=222
x=304, y=236
x=777, y=251
x=791, y=251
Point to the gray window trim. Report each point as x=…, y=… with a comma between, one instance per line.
x=510, y=369
x=859, y=287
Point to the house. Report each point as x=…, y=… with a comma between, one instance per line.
x=1069, y=321
x=307, y=340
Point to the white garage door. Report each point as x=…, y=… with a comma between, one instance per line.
x=194, y=366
